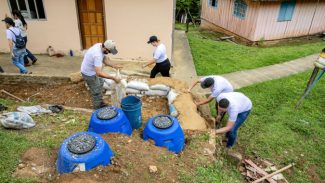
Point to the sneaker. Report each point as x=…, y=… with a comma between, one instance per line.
x=34, y=61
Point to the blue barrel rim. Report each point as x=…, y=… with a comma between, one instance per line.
x=91, y=144
x=99, y=113
x=161, y=127
x=133, y=103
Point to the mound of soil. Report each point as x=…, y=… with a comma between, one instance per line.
x=131, y=163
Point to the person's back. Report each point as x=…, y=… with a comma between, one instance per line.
x=238, y=103
x=221, y=85
x=93, y=58
x=12, y=33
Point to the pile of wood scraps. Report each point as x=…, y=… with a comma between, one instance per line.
x=266, y=172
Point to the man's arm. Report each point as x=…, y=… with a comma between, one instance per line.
x=226, y=129
x=11, y=46
x=193, y=85
x=149, y=63
x=108, y=62
x=209, y=99
x=102, y=74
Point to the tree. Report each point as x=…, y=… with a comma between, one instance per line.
x=188, y=7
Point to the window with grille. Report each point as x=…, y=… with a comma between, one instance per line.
x=30, y=9
x=240, y=9
x=213, y=3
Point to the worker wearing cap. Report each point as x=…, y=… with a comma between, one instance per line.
x=17, y=54
x=217, y=85
x=91, y=69
x=159, y=57
x=238, y=106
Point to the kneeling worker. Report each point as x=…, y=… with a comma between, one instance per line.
x=217, y=85
x=238, y=106
x=91, y=69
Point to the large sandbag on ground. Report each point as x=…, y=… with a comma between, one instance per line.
x=173, y=83
x=189, y=117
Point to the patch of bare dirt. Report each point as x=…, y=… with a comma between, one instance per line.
x=131, y=163
x=36, y=163
x=314, y=175
x=74, y=95
x=152, y=106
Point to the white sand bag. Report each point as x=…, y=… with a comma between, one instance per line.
x=132, y=91
x=33, y=110
x=118, y=92
x=16, y=120
x=138, y=85
x=108, y=84
x=172, y=95
x=124, y=83
x=156, y=93
x=160, y=87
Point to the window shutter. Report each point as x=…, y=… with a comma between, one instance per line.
x=290, y=10
x=283, y=10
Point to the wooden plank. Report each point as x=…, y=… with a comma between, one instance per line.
x=259, y=170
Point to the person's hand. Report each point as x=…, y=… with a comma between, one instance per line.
x=117, y=80
x=118, y=67
x=197, y=104
x=218, y=119
x=188, y=90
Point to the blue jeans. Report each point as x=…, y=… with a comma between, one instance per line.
x=18, y=60
x=232, y=134
x=29, y=54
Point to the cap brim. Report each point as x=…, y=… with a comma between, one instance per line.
x=149, y=42
x=113, y=51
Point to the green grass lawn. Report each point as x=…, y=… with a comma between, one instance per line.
x=47, y=134
x=220, y=57
x=277, y=131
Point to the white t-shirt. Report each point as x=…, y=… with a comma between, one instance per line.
x=160, y=54
x=11, y=35
x=238, y=103
x=93, y=58
x=20, y=25
x=221, y=85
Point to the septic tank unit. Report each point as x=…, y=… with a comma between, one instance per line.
x=83, y=151
x=165, y=131
x=109, y=120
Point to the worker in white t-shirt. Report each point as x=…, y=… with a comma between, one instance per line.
x=91, y=69
x=238, y=106
x=22, y=25
x=217, y=85
x=17, y=51
x=159, y=57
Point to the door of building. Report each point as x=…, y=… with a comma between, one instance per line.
x=91, y=18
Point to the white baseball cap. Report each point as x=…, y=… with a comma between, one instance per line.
x=111, y=46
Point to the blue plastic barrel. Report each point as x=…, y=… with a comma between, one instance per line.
x=131, y=106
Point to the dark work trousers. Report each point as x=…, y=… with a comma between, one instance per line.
x=29, y=54
x=95, y=85
x=162, y=68
x=232, y=134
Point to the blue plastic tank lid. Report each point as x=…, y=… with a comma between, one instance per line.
x=106, y=113
x=162, y=122
x=81, y=144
